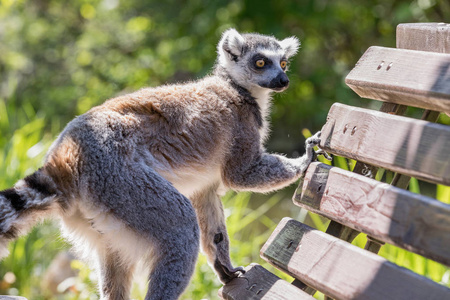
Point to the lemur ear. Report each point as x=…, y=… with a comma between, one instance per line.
x=231, y=44
x=290, y=45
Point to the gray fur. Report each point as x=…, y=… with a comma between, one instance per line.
x=139, y=177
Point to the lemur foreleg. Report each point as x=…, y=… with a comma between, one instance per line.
x=268, y=172
x=213, y=233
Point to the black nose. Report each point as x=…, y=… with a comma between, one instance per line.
x=283, y=80
x=279, y=82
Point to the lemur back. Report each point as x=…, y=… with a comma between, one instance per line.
x=139, y=178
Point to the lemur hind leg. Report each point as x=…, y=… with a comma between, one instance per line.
x=171, y=267
x=153, y=209
x=213, y=233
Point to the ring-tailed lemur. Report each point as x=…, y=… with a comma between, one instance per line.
x=139, y=177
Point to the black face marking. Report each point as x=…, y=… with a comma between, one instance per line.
x=34, y=182
x=255, y=58
x=218, y=238
x=16, y=200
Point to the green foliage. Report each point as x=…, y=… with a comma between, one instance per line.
x=63, y=57
x=60, y=58
x=21, y=152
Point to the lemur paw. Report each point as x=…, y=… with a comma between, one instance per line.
x=227, y=273
x=313, y=141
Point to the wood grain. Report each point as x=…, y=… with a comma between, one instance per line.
x=417, y=223
x=413, y=147
x=341, y=270
x=414, y=78
x=258, y=283
x=434, y=37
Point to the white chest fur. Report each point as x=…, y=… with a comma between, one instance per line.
x=190, y=181
x=263, y=98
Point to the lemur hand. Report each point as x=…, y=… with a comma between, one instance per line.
x=310, y=154
x=313, y=141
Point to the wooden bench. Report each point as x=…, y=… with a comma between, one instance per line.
x=416, y=73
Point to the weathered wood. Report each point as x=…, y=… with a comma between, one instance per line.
x=415, y=78
x=433, y=37
x=258, y=283
x=344, y=232
x=415, y=222
x=401, y=180
x=341, y=270
x=413, y=147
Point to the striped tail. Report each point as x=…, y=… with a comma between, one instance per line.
x=23, y=205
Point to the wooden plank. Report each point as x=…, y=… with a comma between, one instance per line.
x=413, y=147
x=344, y=232
x=258, y=283
x=415, y=222
x=341, y=270
x=414, y=78
x=433, y=37
x=400, y=180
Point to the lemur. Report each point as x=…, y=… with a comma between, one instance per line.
x=139, y=177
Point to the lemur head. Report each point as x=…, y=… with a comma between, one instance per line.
x=256, y=62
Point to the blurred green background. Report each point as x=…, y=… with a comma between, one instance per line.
x=60, y=58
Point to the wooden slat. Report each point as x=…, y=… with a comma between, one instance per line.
x=413, y=147
x=258, y=283
x=434, y=37
x=341, y=270
x=414, y=78
x=417, y=223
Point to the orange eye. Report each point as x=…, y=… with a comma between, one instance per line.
x=283, y=64
x=260, y=63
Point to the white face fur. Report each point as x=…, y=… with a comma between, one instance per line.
x=256, y=62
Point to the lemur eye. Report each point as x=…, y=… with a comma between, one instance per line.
x=283, y=64
x=260, y=63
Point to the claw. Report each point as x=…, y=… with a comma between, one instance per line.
x=227, y=274
x=324, y=153
x=238, y=269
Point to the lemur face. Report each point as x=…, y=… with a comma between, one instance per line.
x=256, y=61
x=268, y=68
